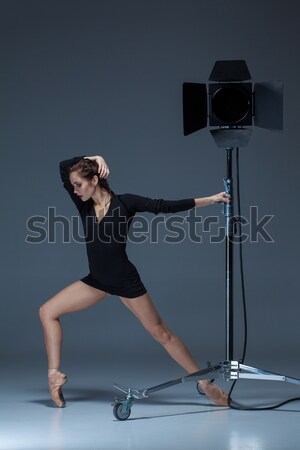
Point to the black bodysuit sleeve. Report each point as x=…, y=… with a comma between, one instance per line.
x=137, y=203
x=64, y=173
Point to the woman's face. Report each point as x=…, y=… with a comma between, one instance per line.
x=82, y=187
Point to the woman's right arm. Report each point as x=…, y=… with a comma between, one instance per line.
x=64, y=174
x=103, y=169
x=64, y=167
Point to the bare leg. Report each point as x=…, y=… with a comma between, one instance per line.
x=75, y=297
x=144, y=309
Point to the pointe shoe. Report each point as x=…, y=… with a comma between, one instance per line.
x=213, y=392
x=55, y=381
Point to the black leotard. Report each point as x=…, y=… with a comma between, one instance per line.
x=110, y=269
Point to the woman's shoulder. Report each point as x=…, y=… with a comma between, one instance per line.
x=125, y=196
x=127, y=199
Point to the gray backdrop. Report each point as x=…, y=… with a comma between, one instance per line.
x=104, y=77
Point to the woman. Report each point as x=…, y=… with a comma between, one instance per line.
x=106, y=219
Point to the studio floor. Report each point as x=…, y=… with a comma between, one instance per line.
x=177, y=418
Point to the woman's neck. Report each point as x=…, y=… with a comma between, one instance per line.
x=100, y=197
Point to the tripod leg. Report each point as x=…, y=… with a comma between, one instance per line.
x=248, y=372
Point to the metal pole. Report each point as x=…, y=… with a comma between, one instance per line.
x=228, y=211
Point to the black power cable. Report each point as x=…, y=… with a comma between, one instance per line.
x=239, y=225
x=240, y=241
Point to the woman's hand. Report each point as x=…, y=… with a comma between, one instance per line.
x=220, y=198
x=217, y=198
x=103, y=169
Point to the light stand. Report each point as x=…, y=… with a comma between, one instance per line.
x=229, y=216
x=231, y=107
x=229, y=369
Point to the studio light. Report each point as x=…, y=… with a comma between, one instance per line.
x=232, y=103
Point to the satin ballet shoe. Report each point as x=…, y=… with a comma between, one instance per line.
x=213, y=392
x=55, y=381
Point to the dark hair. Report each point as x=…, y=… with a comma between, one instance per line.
x=87, y=169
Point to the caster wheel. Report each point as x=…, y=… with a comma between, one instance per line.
x=119, y=414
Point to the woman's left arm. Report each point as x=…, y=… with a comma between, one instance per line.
x=217, y=198
x=137, y=203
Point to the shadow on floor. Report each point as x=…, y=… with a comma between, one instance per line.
x=78, y=395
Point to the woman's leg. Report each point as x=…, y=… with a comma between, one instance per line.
x=76, y=297
x=144, y=309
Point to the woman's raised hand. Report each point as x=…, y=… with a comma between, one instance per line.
x=103, y=169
